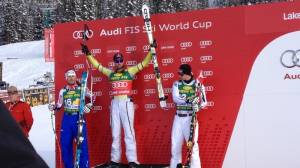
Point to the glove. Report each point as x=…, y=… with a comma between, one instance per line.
x=88, y=107
x=85, y=49
x=203, y=104
x=51, y=107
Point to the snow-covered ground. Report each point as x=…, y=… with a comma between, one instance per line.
x=22, y=63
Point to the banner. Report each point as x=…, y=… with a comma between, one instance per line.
x=36, y=96
x=49, y=45
x=226, y=44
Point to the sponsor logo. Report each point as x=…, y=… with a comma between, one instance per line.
x=134, y=92
x=97, y=108
x=167, y=75
x=149, y=91
x=150, y=106
x=210, y=104
x=78, y=66
x=130, y=63
x=208, y=73
x=167, y=90
x=291, y=16
x=209, y=88
x=149, y=76
x=167, y=61
x=78, y=53
x=186, y=59
x=97, y=93
x=290, y=58
x=205, y=43
x=78, y=34
x=170, y=105
x=291, y=76
x=112, y=51
x=186, y=44
x=119, y=84
x=146, y=48
x=96, y=51
x=167, y=47
x=130, y=48
x=206, y=58
x=96, y=79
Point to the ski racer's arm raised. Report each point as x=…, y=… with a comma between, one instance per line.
x=140, y=66
x=98, y=65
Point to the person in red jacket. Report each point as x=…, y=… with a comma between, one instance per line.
x=20, y=110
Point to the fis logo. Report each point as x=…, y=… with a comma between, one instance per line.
x=185, y=45
x=186, y=59
x=206, y=58
x=78, y=67
x=205, y=43
x=113, y=51
x=78, y=34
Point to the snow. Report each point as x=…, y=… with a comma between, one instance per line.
x=22, y=63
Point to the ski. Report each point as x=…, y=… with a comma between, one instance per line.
x=81, y=121
x=148, y=27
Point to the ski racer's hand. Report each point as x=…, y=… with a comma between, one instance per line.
x=196, y=107
x=51, y=107
x=88, y=107
x=203, y=104
x=85, y=49
x=154, y=44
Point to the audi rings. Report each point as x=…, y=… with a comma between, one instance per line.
x=78, y=34
x=290, y=58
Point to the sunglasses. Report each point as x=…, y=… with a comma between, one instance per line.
x=118, y=61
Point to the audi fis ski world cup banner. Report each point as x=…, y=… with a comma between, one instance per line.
x=250, y=59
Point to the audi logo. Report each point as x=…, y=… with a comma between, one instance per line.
x=98, y=93
x=97, y=108
x=146, y=47
x=168, y=75
x=78, y=34
x=150, y=106
x=149, y=91
x=186, y=59
x=205, y=43
x=130, y=48
x=290, y=58
x=209, y=88
x=170, y=105
x=96, y=79
x=119, y=84
x=206, y=58
x=96, y=51
x=131, y=63
x=208, y=73
x=167, y=60
x=134, y=91
x=210, y=103
x=78, y=52
x=168, y=90
x=186, y=44
x=149, y=76
x=78, y=66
